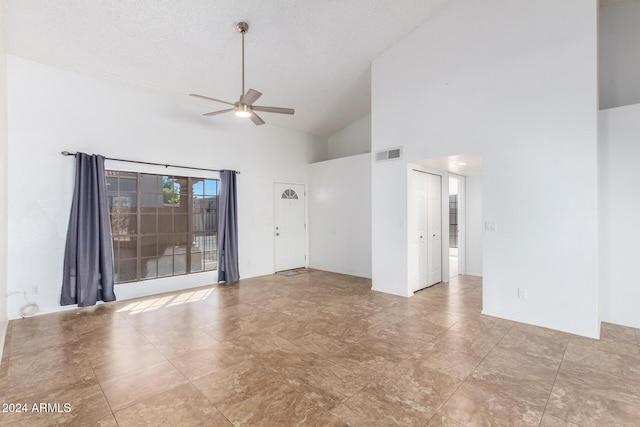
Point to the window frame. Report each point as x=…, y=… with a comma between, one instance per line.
x=190, y=233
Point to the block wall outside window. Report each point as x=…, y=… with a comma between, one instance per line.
x=162, y=225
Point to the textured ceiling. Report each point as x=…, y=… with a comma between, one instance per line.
x=310, y=55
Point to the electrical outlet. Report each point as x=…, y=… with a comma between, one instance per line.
x=522, y=293
x=35, y=290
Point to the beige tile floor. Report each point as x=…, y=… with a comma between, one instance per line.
x=317, y=349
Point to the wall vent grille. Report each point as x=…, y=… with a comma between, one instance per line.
x=389, y=154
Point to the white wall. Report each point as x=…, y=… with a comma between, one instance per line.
x=3, y=181
x=474, y=225
x=51, y=110
x=516, y=82
x=340, y=215
x=619, y=213
x=619, y=62
x=352, y=140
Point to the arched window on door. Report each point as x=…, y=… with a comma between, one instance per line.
x=289, y=194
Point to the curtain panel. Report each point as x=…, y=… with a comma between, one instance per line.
x=228, y=271
x=88, y=274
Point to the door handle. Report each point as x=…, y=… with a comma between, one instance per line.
x=277, y=234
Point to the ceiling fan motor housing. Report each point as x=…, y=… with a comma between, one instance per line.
x=243, y=27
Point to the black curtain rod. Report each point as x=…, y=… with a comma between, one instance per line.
x=166, y=165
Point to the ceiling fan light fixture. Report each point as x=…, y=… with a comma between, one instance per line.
x=243, y=111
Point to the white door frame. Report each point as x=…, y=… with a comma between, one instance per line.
x=306, y=221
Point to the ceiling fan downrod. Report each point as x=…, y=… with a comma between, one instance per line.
x=242, y=27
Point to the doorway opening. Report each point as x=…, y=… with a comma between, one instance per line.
x=456, y=225
x=461, y=214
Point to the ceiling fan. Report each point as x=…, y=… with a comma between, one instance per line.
x=244, y=106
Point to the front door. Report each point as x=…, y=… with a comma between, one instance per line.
x=290, y=227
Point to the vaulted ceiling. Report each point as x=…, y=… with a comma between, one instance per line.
x=310, y=55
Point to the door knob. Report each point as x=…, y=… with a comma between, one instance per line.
x=277, y=234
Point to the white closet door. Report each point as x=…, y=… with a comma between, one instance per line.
x=425, y=230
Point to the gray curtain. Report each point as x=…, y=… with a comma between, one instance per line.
x=228, y=229
x=88, y=257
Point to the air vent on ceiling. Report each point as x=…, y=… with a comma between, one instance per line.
x=389, y=154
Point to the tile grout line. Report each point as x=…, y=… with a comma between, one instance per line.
x=104, y=396
x=463, y=381
x=156, y=394
x=190, y=381
x=211, y=403
x=467, y=377
x=544, y=410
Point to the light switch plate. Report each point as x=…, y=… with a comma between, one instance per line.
x=490, y=226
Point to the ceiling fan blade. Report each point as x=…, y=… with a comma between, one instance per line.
x=214, y=113
x=257, y=119
x=210, y=99
x=273, y=109
x=251, y=96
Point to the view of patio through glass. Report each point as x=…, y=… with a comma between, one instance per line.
x=162, y=225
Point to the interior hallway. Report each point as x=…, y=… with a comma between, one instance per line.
x=315, y=349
